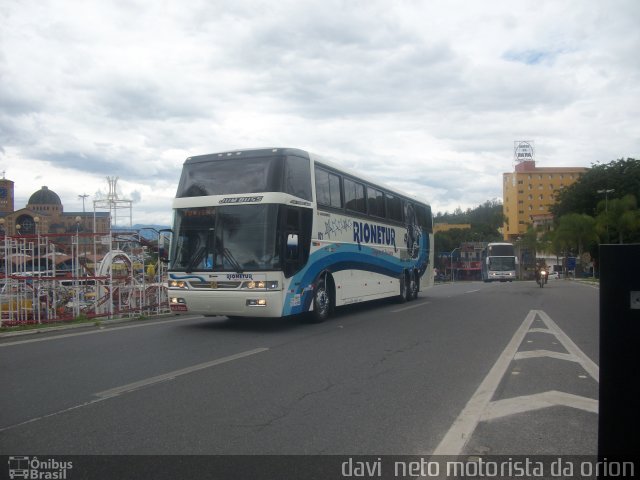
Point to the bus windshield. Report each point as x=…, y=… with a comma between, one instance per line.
x=228, y=238
x=502, y=264
x=501, y=250
x=211, y=175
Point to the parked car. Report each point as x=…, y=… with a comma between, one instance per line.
x=554, y=275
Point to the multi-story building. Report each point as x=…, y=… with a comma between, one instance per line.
x=530, y=191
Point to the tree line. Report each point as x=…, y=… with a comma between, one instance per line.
x=485, y=221
x=600, y=207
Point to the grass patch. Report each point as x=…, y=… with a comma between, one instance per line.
x=80, y=319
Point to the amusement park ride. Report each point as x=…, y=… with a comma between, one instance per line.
x=47, y=278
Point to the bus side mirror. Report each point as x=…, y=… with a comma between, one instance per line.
x=517, y=261
x=163, y=245
x=486, y=260
x=292, y=246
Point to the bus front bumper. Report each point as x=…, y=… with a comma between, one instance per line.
x=229, y=303
x=502, y=276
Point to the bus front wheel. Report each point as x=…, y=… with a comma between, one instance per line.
x=322, y=301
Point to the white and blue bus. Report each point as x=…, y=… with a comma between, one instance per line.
x=277, y=232
x=499, y=262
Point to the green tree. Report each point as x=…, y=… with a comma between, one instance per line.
x=622, y=176
x=618, y=216
x=575, y=232
x=447, y=241
x=485, y=221
x=528, y=244
x=559, y=244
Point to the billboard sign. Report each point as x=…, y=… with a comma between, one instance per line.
x=523, y=150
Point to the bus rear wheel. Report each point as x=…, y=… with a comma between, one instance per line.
x=412, y=286
x=403, y=289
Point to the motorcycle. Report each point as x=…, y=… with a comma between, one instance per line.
x=542, y=278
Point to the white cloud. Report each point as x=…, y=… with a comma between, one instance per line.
x=428, y=96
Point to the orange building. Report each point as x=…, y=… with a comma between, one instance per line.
x=530, y=191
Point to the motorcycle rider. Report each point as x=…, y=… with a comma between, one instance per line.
x=542, y=265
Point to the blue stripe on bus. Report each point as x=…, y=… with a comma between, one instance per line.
x=339, y=257
x=185, y=277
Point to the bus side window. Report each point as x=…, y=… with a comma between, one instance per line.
x=424, y=218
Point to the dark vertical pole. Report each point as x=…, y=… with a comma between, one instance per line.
x=619, y=417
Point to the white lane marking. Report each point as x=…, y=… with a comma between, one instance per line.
x=53, y=414
x=416, y=305
x=463, y=426
x=588, y=364
x=540, y=330
x=92, y=332
x=587, y=284
x=526, y=403
x=480, y=405
x=130, y=387
x=472, y=291
x=114, y=392
x=545, y=353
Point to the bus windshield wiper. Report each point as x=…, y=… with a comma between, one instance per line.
x=195, y=259
x=228, y=256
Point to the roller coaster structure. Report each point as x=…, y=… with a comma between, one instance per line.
x=62, y=277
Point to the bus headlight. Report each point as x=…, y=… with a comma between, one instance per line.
x=178, y=284
x=177, y=304
x=256, y=302
x=261, y=284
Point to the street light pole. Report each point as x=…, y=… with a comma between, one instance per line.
x=606, y=206
x=39, y=284
x=451, y=260
x=84, y=221
x=5, y=260
x=36, y=220
x=83, y=196
x=76, y=273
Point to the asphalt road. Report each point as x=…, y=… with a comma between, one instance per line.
x=468, y=368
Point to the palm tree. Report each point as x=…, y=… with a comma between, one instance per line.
x=620, y=214
x=575, y=230
x=528, y=245
x=560, y=244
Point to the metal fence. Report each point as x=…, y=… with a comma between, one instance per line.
x=65, y=277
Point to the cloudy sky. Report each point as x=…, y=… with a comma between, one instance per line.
x=428, y=96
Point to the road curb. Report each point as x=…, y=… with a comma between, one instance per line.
x=89, y=324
